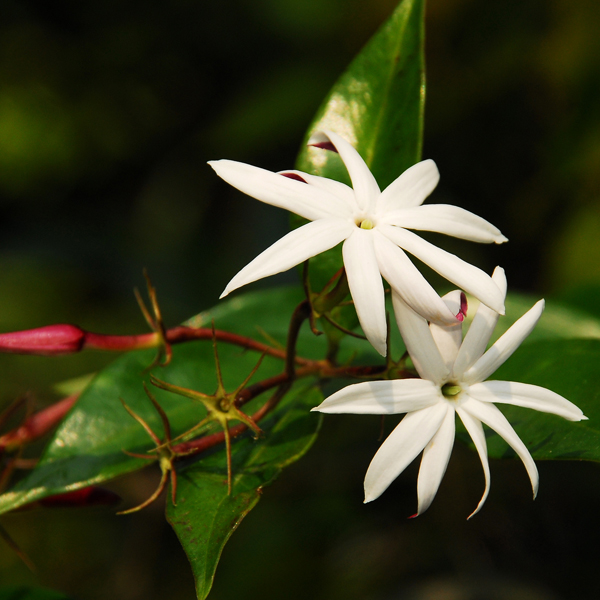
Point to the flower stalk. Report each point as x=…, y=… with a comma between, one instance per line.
x=56, y=340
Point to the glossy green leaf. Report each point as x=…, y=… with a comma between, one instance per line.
x=558, y=322
x=21, y=592
x=205, y=515
x=569, y=368
x=88, y=446
x=377, y=105
x=558, y=319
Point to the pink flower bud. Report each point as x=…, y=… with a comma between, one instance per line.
x=37, y=424
x=52, y=339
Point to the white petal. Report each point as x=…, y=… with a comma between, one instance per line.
x=305, y=200
x=447, y=219
x=401, y=447
x=365, y=187
x=467, y=277
x=475, y=430
x=382, y=397
x=335, y=188
x=448, y=338
x=480, y=331
x=526, y=395
x=420, y=343
x=408, y=283
x=493, y=418
x=504, y=346
x=435, y=460
x=292, y=249
x=366, y=286
x=410, y=189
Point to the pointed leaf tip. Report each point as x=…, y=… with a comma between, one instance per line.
x=377, y=104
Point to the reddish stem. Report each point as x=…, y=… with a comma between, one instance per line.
x=206, y=442
x=54, y=340
x=119, y=343
x=244, y=396
x=178, y=335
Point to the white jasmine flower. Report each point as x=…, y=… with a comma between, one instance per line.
x=453, y=373
x=374, y=228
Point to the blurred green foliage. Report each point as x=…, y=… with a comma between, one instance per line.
x=108, y=113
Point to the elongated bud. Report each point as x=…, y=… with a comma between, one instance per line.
x=48, y=340
x=54, y=340
x=37, y=424
x=88, y=496
x=66, y=339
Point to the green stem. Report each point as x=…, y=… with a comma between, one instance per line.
x=326, y=302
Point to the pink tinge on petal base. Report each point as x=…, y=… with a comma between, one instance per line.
x=324, y=146
x=294, y=176
x=464, y=305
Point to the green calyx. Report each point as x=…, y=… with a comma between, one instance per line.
x=450, y=390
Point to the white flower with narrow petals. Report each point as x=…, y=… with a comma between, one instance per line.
x=374, y=228
x=453, y=373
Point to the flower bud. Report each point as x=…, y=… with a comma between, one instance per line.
x=37, y=424
x=88, y=496
x=48, y=340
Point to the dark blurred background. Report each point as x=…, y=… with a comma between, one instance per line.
x=108, y=113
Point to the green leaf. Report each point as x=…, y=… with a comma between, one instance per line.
x=21, y=592
x=377, y=105
x=584, y=297
x=378, y=102
x=87, y=448
x=205, y=516
x=558, y=319
x=558, y=322
x=569, y=368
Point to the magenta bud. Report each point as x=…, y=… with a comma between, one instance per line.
x=52, y=339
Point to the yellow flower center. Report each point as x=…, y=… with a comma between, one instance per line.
x=367, y=224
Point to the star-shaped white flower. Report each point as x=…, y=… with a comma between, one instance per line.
x=374, y=228
x=453, y=375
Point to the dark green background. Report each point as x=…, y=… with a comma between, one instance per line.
x=108, y=113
